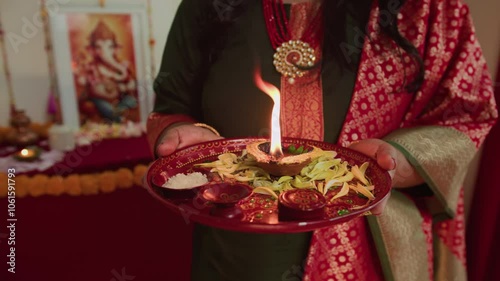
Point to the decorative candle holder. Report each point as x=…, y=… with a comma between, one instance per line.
x=289, y=164
x=301, y=204
x=28, y=154
x=224, y=196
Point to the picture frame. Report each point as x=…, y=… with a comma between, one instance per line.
x=103, y=65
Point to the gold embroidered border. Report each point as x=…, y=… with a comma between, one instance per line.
x=447, y=266
x=302, y=101
x=441, y=155
x=400, y=240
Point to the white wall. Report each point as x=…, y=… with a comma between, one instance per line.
x=3, y=94
x=487, y=23
x=29, y=69
x=28, y=61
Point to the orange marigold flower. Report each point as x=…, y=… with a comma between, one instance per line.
x=55, y=186
x=124, y=178
x=4, y=186
x=22, y=183
x=38, y=185
x=72, y=185
x=89, y=184
x=107, y=182
x=139, y=173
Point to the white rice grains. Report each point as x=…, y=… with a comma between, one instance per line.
x=186, y=181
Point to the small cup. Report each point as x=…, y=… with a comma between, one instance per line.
x=224, y=196
x=301, y=204
x=158, y=181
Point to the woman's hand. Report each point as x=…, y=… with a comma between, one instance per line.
x=182, y=135
x=403, y=174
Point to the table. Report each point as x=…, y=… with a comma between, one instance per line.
x=87, y=237
x=99, y=237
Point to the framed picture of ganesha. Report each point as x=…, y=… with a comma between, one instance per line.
x=101, y=56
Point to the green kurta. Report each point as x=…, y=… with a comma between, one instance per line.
x=229, y=100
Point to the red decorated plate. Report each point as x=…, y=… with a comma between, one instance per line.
x=255, y=212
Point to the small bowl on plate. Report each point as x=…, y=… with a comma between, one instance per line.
x=225, y=196
x=178, y=190
x=301, y=204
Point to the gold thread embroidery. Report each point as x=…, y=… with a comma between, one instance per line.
x=443, y=154
x=402, y=236
x=302, y=102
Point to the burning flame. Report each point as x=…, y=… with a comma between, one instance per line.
x=24, y=152
x=274, y=93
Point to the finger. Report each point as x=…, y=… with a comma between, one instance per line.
x=195, y=137
x=169, y=143
x=365, y=147
x=386, y=157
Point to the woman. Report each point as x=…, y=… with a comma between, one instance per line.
x=401, y=81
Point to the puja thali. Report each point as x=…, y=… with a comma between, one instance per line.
x=285, y=205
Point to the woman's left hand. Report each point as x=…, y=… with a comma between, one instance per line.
x=403, y=174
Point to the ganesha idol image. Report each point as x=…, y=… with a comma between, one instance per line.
x=107, y=86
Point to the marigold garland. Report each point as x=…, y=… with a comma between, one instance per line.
x=74, y=185
x=38, y=186
x=107, y=182
x=89, y=184
x=3, y=179
x=55, y=186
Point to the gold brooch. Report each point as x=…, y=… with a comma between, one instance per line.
x=293, y=58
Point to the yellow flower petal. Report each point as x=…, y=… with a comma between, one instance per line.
x=343, y=192
x=265, y=190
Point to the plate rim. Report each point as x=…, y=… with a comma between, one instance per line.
x=191, y=214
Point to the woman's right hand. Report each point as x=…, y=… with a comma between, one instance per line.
x=183, y=135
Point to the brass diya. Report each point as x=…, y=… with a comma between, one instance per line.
x=282, y=164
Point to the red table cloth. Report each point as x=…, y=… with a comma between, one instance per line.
x=113, y=236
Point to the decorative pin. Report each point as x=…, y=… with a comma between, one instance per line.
x=293, y=58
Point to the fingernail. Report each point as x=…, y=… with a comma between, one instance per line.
x=393, y=163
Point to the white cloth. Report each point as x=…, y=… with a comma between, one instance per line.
x=47, y=160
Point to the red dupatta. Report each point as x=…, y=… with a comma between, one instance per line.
x=457, y=97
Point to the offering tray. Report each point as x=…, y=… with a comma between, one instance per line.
x=256, y=212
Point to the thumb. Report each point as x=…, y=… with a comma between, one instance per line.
x=168, y=144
